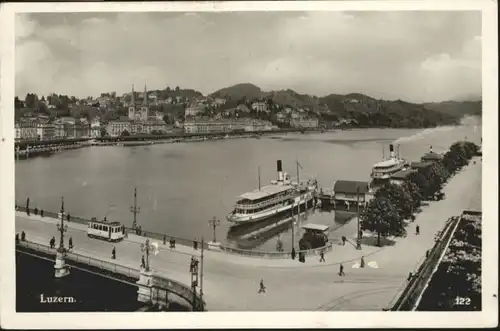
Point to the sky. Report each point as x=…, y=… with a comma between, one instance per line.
x=414, y=56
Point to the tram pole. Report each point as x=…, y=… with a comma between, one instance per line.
x=201, y=275
x=135, y=209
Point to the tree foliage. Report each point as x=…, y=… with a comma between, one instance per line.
x=381, y=217
x=399, y=197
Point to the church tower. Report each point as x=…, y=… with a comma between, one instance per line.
x=131, y=109
x=145, y=108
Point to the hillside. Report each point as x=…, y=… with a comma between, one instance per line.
x=458, y=108
x=365, y=110
x=238, y=92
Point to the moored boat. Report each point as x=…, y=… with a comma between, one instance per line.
x=383, y=170
x=273, y=200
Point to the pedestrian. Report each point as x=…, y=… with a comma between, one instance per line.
x=113, y=253
x=322, y=256
x=262, y=288
x=410, y=276
x=360, y=234
x=195, y=245
x=52, y=242
x=105, y=219
x=362, y=264
x=68, y=217
x=173, y=243
x=35, y=211
x=143, y=262
x=417, y=230
x=23, y=236
x=293, y=253
x=164, y=239
x=341, y=270
x=344, y=239
x=41, y=212
x=17, y=238
x=70, y=243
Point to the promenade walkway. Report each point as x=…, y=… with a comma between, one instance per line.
x=231, y=282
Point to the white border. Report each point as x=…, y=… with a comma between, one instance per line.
x=486, y=318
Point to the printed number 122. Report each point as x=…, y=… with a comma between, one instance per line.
x=459, y=301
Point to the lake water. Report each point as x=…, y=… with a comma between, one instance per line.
x=181, y=186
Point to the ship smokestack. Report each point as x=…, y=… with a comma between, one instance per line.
x=430, y=149
x=280, y=171
x=391, y=150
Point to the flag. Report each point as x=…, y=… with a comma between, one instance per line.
x=156, y=249
x=300, y=166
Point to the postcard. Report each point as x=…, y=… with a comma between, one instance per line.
x=249, y=164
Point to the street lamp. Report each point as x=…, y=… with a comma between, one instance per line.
x=147, y=248
x=135, y=209
x=62, y=228
x=358, y=239
x=214, y=222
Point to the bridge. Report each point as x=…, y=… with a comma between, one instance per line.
x=158, y=291
x=231, y=282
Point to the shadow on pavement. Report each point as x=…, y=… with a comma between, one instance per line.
x=372, y=241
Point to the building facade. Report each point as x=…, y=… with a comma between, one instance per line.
x=26, y=130
x=225, y=125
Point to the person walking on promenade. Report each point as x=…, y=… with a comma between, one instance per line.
x=262, y=288
x=417, y=230
x=143, y=262
x=341, y=270
x=52, y=242
x=362, y=264
x=70, y=243
x=68, y=217
x=164, y=239
x=322, y=256
x=344, y=239
x=41, y=212
x=113, y=253
x=23, y=236
x=35, y=211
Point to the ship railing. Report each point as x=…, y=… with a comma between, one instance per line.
x=261, y=204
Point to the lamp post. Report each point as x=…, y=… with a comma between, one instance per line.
x=358, y=239
x=135, y=209
x=214, y=222
x=201, y=275
x=146, y=247
x=62, y=228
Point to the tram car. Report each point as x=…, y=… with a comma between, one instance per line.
x=110, y=231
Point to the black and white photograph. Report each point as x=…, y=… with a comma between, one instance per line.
x=245, y=157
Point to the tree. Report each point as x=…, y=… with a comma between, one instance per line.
x=18, y=104
x=399, y=197
x=103, y=132
x=381, y=217
x=177, y=89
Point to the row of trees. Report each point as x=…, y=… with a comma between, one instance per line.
x=393, y=204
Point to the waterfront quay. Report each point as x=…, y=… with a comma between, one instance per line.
x=231, y=282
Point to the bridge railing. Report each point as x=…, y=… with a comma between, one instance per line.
x=409, y=297
x=90, y=261
x=277, y=255
x=158, y=280
x=144, y=233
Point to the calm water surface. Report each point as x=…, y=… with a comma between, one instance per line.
x=181, y=186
